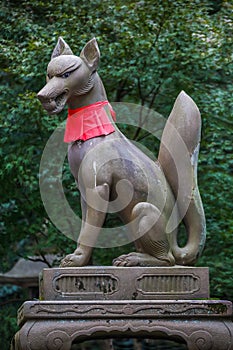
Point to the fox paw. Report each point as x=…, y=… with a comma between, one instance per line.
x=141, y=259
x=77, y=259
x=71, y=260
x=131, y=259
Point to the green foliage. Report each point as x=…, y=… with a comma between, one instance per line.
x=9, y=325
x=11, y=297
x=149, y=53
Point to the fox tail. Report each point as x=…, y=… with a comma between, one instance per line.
x=178, y=156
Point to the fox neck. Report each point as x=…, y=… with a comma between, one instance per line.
x=95, y=94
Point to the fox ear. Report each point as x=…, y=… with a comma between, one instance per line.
x=62, y=48
x=90, y=54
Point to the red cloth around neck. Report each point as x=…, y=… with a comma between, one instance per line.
x=90, y=121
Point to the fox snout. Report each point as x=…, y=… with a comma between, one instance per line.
x=52, y=97
x=42, y=96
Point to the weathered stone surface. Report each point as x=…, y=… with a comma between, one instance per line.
x=54, y=325
x=123, y=309
x=124, y=283
x=124, y=302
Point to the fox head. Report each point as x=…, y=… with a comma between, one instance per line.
x=68, y=75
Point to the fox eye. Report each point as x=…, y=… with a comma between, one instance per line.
x=66, y=75
x=49, y=76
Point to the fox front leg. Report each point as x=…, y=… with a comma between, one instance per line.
x=96, y=207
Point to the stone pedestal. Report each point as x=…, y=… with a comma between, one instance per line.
x=124, y=283
x=105, y=302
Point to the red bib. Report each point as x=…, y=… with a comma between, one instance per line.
x=90, y=121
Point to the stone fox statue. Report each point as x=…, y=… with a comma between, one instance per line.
x=150, y=197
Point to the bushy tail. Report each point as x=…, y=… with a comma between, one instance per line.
x=178, y=157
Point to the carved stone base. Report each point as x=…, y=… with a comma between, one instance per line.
x=55, y=325
x=106, y=302
x=121, y=283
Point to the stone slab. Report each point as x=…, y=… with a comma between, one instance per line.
x=56, y=325
x=124, y=283
x=123, y=309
